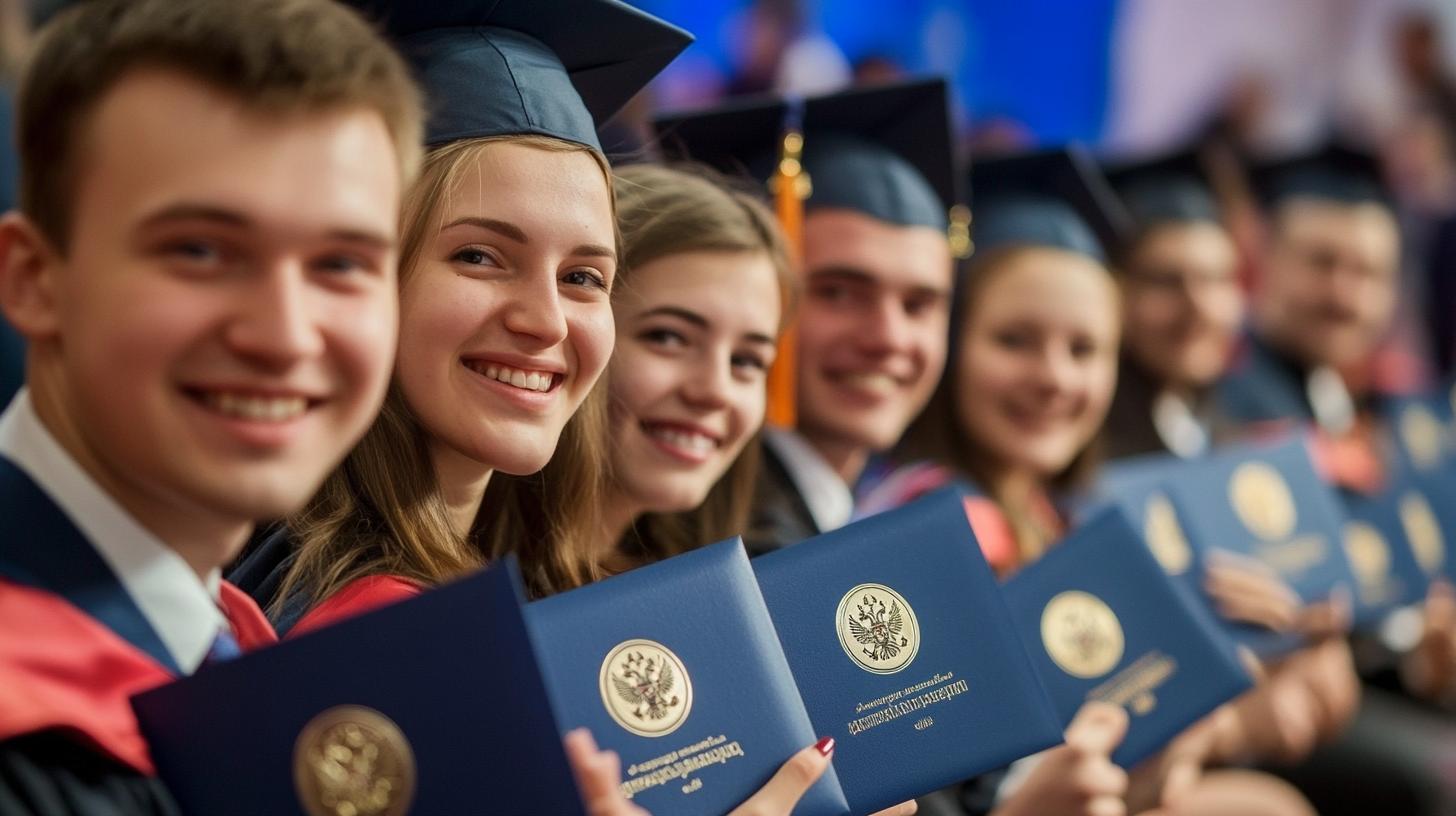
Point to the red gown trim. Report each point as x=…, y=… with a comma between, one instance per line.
x=357, y=597
x=62, y=669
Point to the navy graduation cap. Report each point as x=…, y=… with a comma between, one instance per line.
x=883, y=151
x=1170, y=188
x=1333, y=172
x=550, y=67
x=1056, y=198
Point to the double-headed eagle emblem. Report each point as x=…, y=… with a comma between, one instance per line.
x=646, y=684
x=877, y=628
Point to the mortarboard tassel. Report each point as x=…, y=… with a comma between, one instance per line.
x=790, y=186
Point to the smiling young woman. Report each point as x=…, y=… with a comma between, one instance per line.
x=706, y=288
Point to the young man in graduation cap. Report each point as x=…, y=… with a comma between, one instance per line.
x=877, y=181
x=1182, y=310
x=203, y=268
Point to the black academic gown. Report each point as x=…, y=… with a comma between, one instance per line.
x=74, y=647
x=1130, y=430
x=780, y=516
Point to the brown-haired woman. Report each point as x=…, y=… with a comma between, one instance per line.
x=705, y=290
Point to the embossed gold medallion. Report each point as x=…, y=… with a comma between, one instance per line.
x=1423, y=436
x=1165, y=536
x=1081, y=634
x=1423, y=531
x=1368, y=552
x=1262, y=500
x=646, y=688
x=353, y=761
x=877, y=628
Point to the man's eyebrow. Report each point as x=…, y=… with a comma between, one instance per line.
x=848, y=273
x=224, y=216
x=197, y=212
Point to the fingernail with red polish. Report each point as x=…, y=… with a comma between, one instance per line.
x=825, y=745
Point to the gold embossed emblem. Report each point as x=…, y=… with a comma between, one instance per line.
x=1262, y=500
x=646, y=688
x=1423, y=436
x=353, y=761
x=1368, y=552
x=1423, y=531
x=1081, y=634
x=1165, y=535
x=877, y=628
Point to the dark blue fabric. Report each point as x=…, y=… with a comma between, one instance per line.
x=41, y=548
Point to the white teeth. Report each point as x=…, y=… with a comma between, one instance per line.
x=687, y=440
x=528, y=380
x=260, y=409
x=871, y=381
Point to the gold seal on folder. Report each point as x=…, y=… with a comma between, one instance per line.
x=353, y=761
x=1423, y=436
x=645, y=687
x=1262, y=500
x=877, y=628
x=1423, y=531
x=1165, y=535
x=1081, y=634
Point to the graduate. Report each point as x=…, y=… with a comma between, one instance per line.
x=1034, y=354
x=209, y=314
x=705, y=290
x=510, y=253
x=877, y=186
x=1182, y=309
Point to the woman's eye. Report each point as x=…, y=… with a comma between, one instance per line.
x=666, y=338
x=474, y=257
x=585, y=277
x=750, y=361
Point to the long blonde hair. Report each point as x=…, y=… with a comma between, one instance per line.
x=382, y=513
x=670, y=210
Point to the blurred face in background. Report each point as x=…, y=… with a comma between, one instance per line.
x=1181, y=302
x=1330, y=281
x=872, y=328
x=1038, y=360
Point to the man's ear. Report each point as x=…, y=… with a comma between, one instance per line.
x=28, y=265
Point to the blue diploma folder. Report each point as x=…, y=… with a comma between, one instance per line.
x=1103, y=621
x=676, y=666
x=905, y=652
x=1260, y=500
x=437, y=699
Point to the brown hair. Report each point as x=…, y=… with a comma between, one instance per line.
x=670, y=210
x=285, y=57
x=937, y=435
x=382, y=513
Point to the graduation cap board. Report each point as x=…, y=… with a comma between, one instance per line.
x=549, y=67
x=883, y=151
x=1333, y=172
x=1057, y=198
x=1172, y=187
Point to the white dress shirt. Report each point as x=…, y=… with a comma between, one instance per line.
x=829, y=499
x=181, y=608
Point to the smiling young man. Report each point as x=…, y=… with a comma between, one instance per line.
x=203, y=269
x=877, y=267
